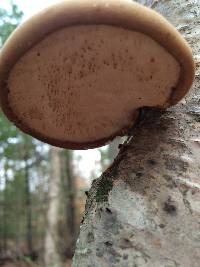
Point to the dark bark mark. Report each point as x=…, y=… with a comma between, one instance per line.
x=169, y=206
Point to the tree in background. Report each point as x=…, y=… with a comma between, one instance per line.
x=9, y=20
x=51, y=256
x=36, y=181
x=21, y=159
x=69, y=193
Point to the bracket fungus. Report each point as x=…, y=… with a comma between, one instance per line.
x=75, y=74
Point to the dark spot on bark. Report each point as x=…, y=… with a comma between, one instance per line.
x=167, y=177
x=108, y=210
x=194, y=192
x=38, y=54
x=152, y=162
x=120, y=146
x=108, y=243
x=169, y=207
x=87, y=193
x=139, y=174
x=125, y=243
x=162, y=225
x=99, y=252
x=125, y=257
x=90, y=237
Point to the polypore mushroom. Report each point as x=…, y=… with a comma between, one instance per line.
x=76, y=74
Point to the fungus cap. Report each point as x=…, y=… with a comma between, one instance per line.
x=75, y=74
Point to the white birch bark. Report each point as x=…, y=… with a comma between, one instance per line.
x=113, y=148
x=145, y=209
x=51, y=255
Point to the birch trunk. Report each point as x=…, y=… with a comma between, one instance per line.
x=51, y=256
x=145, y=209
x=113, y=148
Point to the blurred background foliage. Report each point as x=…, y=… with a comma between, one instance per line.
x=42, y=189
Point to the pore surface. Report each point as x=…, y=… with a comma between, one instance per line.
x=83, y=83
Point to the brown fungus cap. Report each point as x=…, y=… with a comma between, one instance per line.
x=75, y=75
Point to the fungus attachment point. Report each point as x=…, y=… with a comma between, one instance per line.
x=75, y=75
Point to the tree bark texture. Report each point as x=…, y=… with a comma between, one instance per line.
x=51, y=256
x=145, y=209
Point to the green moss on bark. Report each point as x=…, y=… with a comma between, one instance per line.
x=104, y=187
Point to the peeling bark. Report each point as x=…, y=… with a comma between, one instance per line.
x=145, y=209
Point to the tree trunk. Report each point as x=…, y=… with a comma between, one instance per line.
x=51, y=256
x=70, y=203
x=17, y=222
x=28, y=209
x=113, y=149
x=69, y=194
x=145, y=209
